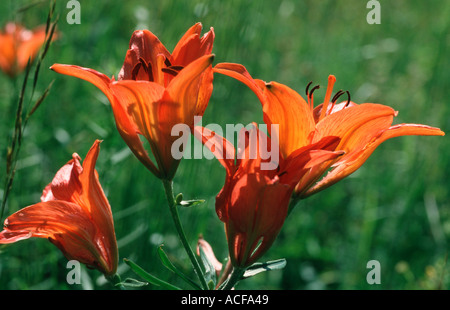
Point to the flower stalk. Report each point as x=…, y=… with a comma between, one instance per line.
x=235, y=277
x=168, y=189
x=116, y=281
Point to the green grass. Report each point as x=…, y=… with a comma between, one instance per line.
x=395, y=209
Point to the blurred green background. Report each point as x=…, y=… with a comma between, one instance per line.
x=395, y=209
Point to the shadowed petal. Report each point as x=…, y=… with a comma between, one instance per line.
x=55, y=220
x=258, y=208
x=143, y=45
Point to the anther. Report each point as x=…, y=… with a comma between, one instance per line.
x=307, y=88
x=313, y=89
x=348, y=100
x=284, y=172
x=173, y=70
x=336, y=96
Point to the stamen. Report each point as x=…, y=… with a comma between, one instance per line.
x=167, y=62
x=331, y=81
x=338, y=94
x=335, y=98
x=173, y=70
x=311, y=97
x=135, y=70
x=284, y=172
x=307, y=87
x=348, y=100
x=314, y=88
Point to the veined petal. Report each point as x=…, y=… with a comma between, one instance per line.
x=240, y=73
x=308, y=158
x=205, y=91
x=92, y=193
x=184, y=88
x=143, y=44
x=94, y=77
x=287, y=109
x=66, y=184
x=126, y=126
x=282, y=106
x=62, y=221
x=142, y=103
x=354, y=123
x=191, y=46
x=99, y=208
x=347, y=165
x=257, y=210
x=45, y=219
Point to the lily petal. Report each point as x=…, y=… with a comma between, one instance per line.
x=355, y=123
x=253, y=220
x=285, y=107
x=282, y=106
x=144, y=106
x=184, y=88
x=191, y=46
x=56, y=220
x=347, y=165
x=126, y=127
x=143, y=44
x=221, y=148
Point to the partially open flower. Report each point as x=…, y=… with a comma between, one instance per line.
x=73, y=214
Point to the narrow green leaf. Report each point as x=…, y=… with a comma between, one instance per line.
x=148, y=277
x=39, y=101
x=210, y=271
x=130, y=282
x=191, y=203
x=267, y=266
x=166, y=262
x=179, y=198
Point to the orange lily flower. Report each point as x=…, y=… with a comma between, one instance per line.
x=156, y=90
x=73, y=214
x=361, y=128
x=17, y=45
x=254, y=202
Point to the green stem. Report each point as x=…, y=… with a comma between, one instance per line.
x=115, y=281
x=176, y=219
x=292, y=203
x=235, y=277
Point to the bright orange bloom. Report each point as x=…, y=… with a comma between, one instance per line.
x=254, y=202
x=361, y=128
x=74, y=215
x=155, y=91
x=17, y=45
